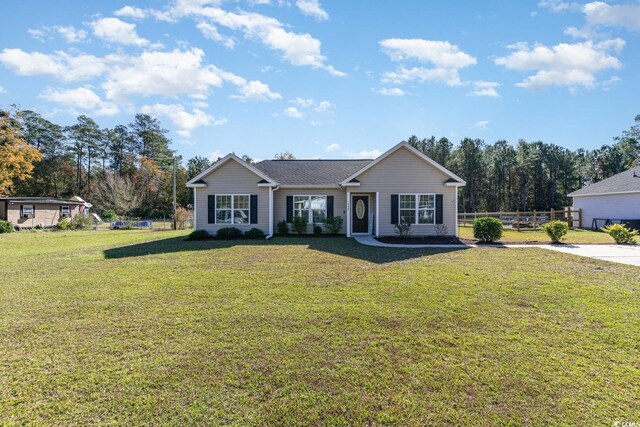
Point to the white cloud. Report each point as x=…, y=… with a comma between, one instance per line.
x=482, y=88
x=256, y=91
x=565, y=64
x=2, y=90
x=38, y=34
x=164, y=73
x=558, y=6
x=220, y=122
x=304, y=103
x=444, y=58
x=185, y=121
x=620, y=15
x=59, y=64
x=315, y=123
x=131, y=12
x=211, y=32
x=394, y=91
x=332, y=147
x=297, y=49
x=115, y=30
x=312, y=8
x=71, y=34
x=482, y=124
x=82, y=98
x=215, y=155
x=293, y=112
x=323, y=107
x=364, y=154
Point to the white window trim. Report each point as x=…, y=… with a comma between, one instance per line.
x=233, y=214
x=62, y=212
x=31, y=207
x=310, y=215
x=417, y=210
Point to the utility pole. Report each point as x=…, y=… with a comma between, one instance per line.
x=175, y=209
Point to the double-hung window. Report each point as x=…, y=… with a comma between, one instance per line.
x=232, y=209
x=64, y=212
x=27, y=211
x=418, y=208
x=313, y=208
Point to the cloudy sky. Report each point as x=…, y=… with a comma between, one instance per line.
x=329, y=78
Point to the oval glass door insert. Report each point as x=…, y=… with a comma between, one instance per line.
x=360, y=209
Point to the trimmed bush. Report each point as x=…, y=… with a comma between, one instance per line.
x=5, y=227
x=299, y=224
x=283, y=227
x=81, y=222
x=198, y=235
x=317, y=230
x=229, y=233
x=333, y=224
x=621, y=234
x=487, y=229
x=109, y=215
x=254, y=234
x=556, y=230
x=402, y=229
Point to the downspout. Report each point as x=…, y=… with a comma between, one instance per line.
x=195, y=210
x=271, y=190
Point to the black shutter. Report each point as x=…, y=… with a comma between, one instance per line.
x=438, y=208
x=21, y=212
x=329, y=206
x=211, y=207
x=289, y=208
x=394, y=209
x=253, y=209
x=33, y=209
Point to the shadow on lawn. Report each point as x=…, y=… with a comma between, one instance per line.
x=335, y=245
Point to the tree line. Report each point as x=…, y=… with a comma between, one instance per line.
x=530, y=175
x=128, y=168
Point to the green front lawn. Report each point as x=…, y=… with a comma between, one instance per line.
x=576, y=236
x=144, y=328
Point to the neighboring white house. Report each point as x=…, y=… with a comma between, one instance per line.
x=612, y=200
x=401, y=185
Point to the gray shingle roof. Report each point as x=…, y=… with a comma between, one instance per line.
x=48, y=200
x=310, y=172
x=622, y=182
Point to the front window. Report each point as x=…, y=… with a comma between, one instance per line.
x=314, y=208
x=418, y=208
x=27, y=211
x=232, y=209
x=64, y=211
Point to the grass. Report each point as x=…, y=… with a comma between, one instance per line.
x=574, y=236
x=144, y=328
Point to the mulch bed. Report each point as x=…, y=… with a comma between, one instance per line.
x=420, y=240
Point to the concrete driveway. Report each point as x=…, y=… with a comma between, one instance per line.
x=614, y=253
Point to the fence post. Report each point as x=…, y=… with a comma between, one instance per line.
x=552, y=215
x=518, y=220
x=500, y=214
x=535, y=224
x=569, y=217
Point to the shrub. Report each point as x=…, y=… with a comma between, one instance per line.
x=198, y=235
x=621, y=234
x=283, y=227
x=229, y=233
x=556, y=230
x=441, y=230
x=487, y=229
x=109, y=215
x=81, y=222
x=63, y=224
x=333, y=224
x=402, y=228
x=317, y=230
x=255, y=234
x=5, y=227
x=183, y=217
x=299, y=224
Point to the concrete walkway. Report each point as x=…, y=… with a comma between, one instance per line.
x=614, y=253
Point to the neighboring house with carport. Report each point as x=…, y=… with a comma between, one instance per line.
x=612, y=200
x=371, y=196
x=31, y=212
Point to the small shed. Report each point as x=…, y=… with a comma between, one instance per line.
x=615, y=200
x=31, y=212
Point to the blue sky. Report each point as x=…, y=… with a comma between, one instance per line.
x=329, y=79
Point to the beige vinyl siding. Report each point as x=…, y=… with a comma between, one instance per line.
x=46, y=214
x=612, y=206
x=231, y=178
x=280, y=203
x=402, y=172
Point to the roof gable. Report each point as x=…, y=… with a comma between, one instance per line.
x=624, y=182
x=229, y=157
x=310, y=172
x=458, y=181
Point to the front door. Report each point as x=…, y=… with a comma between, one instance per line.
x=360, y=214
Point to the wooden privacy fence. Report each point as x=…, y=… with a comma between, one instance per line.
x=527, y=220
